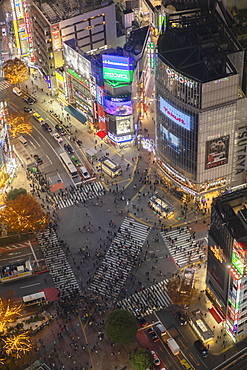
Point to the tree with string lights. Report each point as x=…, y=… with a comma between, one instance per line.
x=19, y=124
x=16, y=71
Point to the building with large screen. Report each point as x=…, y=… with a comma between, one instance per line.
x=200, y=108
x=227, y=262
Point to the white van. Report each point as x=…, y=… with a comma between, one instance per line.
x=84, y=173
x=17, y=91
x=22, y=140
x=161, y=329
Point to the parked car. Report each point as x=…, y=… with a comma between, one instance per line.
x=17, y=91
x=57, y=137
x=47, y=127
x=182, y=320
x=29, y=100
x=38, y=160
x=75, y=160
x=156, y=360
x=38, y=117
x=68, y=148
x=27, y=110
x=141, y=320
x=60, y=129
x=201, y=348
x=153, y=336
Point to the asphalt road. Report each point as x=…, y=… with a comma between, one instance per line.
x=42, y=143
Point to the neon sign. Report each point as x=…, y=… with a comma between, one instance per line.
x=117, y=68
x=175, y=115
x=179, y=78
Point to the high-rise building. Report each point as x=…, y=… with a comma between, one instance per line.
x=48, y=24
x=201, y=110
x=227, y=261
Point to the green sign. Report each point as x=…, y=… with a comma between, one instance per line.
x=78, y=77
x=120, y=75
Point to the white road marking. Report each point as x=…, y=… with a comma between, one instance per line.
x=49, y=159
x=28, y=286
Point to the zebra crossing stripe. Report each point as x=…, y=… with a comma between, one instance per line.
x=182, y=247
x=111, y=275
x=82, y=193
x=60, y=270
x=147, y=300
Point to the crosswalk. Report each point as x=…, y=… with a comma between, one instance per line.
x=121, y=257
x=147, y=300
x=72, y=195
x=58, y=265
x=182, y=247
x=4, y=85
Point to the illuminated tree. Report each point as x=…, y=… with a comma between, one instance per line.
x=17, y=345
x=8, y=313
x=15, y=71
x=19, y=124
x=180, y=293
x=24, y=214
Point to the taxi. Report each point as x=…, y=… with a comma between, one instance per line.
x=38, y=117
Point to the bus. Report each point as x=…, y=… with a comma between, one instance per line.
x=36, y=298
x=70, y=167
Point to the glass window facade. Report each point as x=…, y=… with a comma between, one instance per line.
x=177, y=120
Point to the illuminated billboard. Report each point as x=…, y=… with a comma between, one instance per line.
x=175, y=114
x=118, y=106
x=171, y=140
x=217, y=152
x=124, y=125
x=116, y=68
x=56, y=37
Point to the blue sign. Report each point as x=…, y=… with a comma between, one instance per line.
x=175, y=114
x=116, y=62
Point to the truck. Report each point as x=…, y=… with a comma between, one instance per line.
x=174, y=347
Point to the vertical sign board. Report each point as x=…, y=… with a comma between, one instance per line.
x=56, y=37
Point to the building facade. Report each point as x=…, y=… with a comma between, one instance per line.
x=42, y=27
x=227, y=261
x=197, y=101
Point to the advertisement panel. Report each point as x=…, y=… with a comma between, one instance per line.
x=217, y=152
x=76, y=61
x=116, y=68
x=56, y=37
x=18, y=9
x=124, y=125
x=118, y=106
x=99, y=94
x=171, y=140
x=175, y=114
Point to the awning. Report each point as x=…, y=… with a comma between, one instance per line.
x=75, y=113
x=216, y=315
x=101, y=134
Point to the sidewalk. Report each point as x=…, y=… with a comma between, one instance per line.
x=79, y=131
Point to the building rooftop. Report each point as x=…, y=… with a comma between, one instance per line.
x=232, y=208
x=197, y=44
x=136, y=40
x=56, y=11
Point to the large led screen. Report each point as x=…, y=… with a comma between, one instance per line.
x=118, y=106
x=217, y=152
x=175, y=114
x=116, y=68
x=171, y=140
